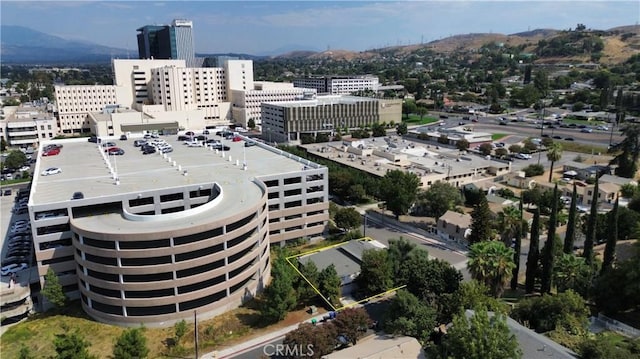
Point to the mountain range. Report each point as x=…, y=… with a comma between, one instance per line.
x=27, y=46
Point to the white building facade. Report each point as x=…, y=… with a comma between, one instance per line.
x=339, y=85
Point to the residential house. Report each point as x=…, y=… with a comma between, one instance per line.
x=454, y=226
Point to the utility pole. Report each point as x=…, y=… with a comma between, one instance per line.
x=195, y=330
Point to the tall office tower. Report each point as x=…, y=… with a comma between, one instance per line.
x=173, y=41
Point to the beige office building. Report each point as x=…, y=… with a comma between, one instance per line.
x=155, y=238
x=247, y=103
x=287, y=121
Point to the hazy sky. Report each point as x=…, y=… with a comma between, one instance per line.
x=258, y=27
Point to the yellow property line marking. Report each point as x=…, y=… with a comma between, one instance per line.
x=295, y=267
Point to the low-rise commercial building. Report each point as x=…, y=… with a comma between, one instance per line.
x=339, y=85
x=288, y=121
x=27, y=125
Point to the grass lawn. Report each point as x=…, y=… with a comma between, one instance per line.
x=583, y=122
x=415, y=120
x=497, y=136
x=235, y=326
x=582, y=147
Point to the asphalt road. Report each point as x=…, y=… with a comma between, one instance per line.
x=528, y=129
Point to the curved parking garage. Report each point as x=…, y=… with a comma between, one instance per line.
x=158, y=269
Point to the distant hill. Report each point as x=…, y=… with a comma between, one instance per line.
x=27, y=46
x=619, y=43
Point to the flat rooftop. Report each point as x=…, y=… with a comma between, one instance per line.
x=324, y=100
x=85, y=169
x=345, y=257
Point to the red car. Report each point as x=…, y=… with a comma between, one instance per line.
x=237, y=139
x=51, y=152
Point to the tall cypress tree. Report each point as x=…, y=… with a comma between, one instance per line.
x=517, y=249
x=480, y=221
x=591, y=226
x=570, y=235
x=533, y=256
x=547, y=255
x=612, y=238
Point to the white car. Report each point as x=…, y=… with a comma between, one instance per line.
x=603, y=128
x=195, y=144
x=24, y=168
x=51, y=171
x=13, y=268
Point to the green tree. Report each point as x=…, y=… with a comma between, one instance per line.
x=520, y=231
x=554, y=154
x=397, y=253
x=618, y=289
x=398, y=190
x=547, y=253
x=329, y=284
x=279, y=296
x=471, y=294
x=462, y=144
x=306, y=294
x=251, y=123
x=319, y=339
x=422, y=111
x=376, y=274
x=15, y=159
x=131, y=344
x=479, y=337
x=52, y=289
x=3, y=144
x=534, y=255
x=570, y=234
x=407, y=315
x=348, y=218
x=547, y=312
x=408, y=107
x=627, y=159
x=402, y=129
x=485, y=149
x=378, y=130
x=427, y=278
x=437, y=199
x=590, y=235
x=533, y=170
x=481, y=220
x=572, y=272
x=612, y=238
x=491, y=263
x=71, y=346
x=352, y=323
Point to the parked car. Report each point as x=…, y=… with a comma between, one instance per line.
x=586, y=130
x=51, y=171
x=108, y=144
x=237, y=139
x=51, y=152
x=148, y=150
x=568, y=139
x=93, y=139
x=123, y=137
x=139, y=143
x=77, y=195
x=13, y=268
x=249, y=143
x=117, y=151
x=194, y=144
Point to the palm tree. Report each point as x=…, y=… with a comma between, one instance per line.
x=554, y=153
x=508, y=220
x=491, y=263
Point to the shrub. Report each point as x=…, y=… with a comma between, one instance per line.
x=533, y=170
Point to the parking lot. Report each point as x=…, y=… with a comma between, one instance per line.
x=19, y=243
